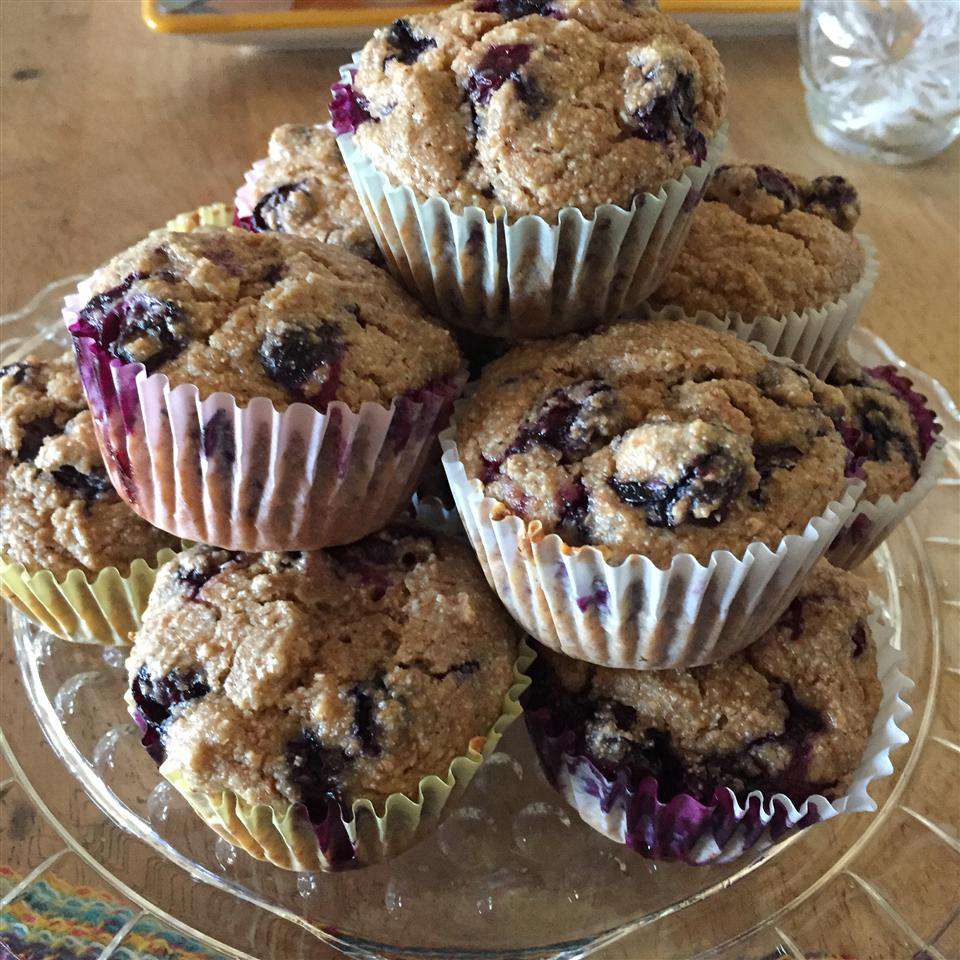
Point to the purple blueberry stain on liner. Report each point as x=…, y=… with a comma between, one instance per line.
x=106, y=403
x=925, y=419
x=217, y=438
x=597, y=599
x=348, y=108
x=244, y=223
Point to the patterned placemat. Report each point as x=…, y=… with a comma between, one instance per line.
x=55, y=920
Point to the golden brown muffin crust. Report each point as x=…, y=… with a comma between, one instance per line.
x=654, y=438
x=386, y=657
x=58, y=509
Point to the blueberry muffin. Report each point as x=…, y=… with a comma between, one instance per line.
x=303, y=188
x=790, y=714
x=765, y=243
x=265, y=315
x=529, y=107
x=894, y=427
x=58, y=509
x=348, y=673
x=654, y=438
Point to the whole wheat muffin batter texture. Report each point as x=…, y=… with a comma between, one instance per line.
x=655, y=438
x=354, y=671
x=266, y=315
x=58, y=509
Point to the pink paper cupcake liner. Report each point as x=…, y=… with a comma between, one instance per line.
x=252, y=477
x=628, y=810
x=873, y=521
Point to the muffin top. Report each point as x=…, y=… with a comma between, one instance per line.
x=264, y=315
x=654, y=438
x=303, y=187
x=58, y=509
x=765, y=243
x=351, y=672
x=530, y=106
x=791, y=714
x=895, y=428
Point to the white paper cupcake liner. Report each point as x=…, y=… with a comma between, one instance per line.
x=872, y=522
x=82, y=607
x=527, y=278
x=630, y=812
x=813, y=337
x=252, y=477
x=635, y=614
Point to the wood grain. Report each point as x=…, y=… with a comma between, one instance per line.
x=108, y=131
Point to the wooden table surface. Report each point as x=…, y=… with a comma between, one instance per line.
x=108, y=131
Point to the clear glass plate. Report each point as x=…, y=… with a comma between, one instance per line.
x=512, y=872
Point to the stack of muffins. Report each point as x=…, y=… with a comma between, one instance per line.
x=663, y=439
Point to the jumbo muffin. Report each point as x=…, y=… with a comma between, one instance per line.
x=306, y=388
x=532, y=107
x=264, y=315
x=648, y=756
x=321, y=678
x=302, y=187
x=766, y=243
x=656, y=438
x=58, y=509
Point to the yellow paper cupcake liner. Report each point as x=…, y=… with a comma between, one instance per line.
x=281, y=834
x=211, y=215
x=105, y=609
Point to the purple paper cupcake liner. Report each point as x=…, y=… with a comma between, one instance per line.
x=626, y=807
x=873, y=521
x=253, y=477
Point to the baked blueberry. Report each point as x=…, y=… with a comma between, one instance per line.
x=408, y=46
